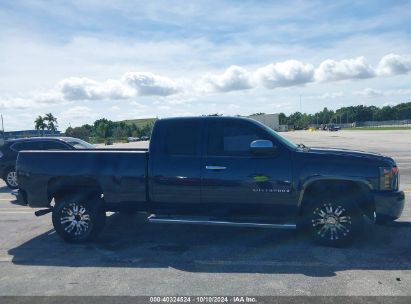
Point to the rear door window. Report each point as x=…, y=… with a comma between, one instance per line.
x=183, y=137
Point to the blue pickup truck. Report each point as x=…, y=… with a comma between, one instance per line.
x=216, y=171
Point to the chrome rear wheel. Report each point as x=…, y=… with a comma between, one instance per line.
x=75, y=219
x=78, y=219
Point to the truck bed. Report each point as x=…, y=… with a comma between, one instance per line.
x=120, y=174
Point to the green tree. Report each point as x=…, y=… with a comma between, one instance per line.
x=84, y=132
x=102, y=128
x=40, y=124
x=51, y=122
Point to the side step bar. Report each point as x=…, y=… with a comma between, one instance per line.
x=175, y=220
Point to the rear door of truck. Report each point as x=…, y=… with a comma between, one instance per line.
x=175, y=166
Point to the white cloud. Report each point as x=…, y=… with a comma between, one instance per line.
x=75, y=88
x=368, y=92
x=15, y=103
x=146, y=83
x=76, y=116
x=142, y=85
x=47, y=97
x=393, y=64
x=284, y=74
x=130, y=85
x=233, y=79
x=77, y=111
x=332, y=70
x=137, y=104
x=233, y=106
x=332, y=95
x=399, y=92
x=36, y=100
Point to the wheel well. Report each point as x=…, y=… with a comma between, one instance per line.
x=6, y=170
x=62, y=186
x=359, y=193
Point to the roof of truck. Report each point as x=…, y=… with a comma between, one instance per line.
x=206, y=117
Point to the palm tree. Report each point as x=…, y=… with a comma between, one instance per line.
x=51, y=122
x=40, y=124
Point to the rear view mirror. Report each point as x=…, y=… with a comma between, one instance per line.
x=262, y=147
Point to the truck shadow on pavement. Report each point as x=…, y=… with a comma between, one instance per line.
x=130, y=242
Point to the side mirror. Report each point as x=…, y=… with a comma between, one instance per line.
x=262, y=147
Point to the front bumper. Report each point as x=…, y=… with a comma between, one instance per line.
x=389, y=204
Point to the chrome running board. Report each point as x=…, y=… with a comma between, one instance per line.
x=176, y=220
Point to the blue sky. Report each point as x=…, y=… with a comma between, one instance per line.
x=84, y=60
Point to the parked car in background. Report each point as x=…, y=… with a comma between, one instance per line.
x=333, y=128
x=10, y=149
x=145, y=138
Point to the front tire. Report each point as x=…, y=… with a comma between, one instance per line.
x=10, y=177
x=78, y=220
x=333, y=222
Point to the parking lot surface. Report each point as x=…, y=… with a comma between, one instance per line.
x=132, y=257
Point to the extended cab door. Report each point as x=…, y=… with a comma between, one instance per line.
x=237, y=182
x=175, y=166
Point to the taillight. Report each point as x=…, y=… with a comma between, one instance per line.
x=389, y=178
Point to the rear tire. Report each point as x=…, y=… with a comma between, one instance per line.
x=10, y=178
x=333, y=221
x=79, y=220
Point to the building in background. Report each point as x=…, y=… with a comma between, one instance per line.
x=270, y=120
x=29, y=133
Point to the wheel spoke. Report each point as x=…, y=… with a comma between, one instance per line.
x=66, y=219
x=331, y=221
x=334, y=233
x=70, y=227
x=345, y=219
x=75, y=219
x=338, y=211
x=317, y=222
x=329, y=209
x=323, y=230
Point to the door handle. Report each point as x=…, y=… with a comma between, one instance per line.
x=215, y=168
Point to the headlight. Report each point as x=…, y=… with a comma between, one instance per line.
x=389, y=178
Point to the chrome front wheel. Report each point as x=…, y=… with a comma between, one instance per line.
x=331, y=222
x=334, y=222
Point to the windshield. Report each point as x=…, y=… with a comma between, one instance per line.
x=78, y=143
x=281, y=139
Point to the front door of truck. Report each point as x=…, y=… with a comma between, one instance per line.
x=236, y=182
x=175, y=181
